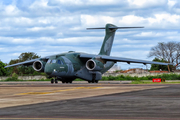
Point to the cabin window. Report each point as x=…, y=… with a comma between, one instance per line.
x=49, y=61
x=53, y=61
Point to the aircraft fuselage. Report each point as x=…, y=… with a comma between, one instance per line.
x=70, y=66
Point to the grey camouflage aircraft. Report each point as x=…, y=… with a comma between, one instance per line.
x=66, y=67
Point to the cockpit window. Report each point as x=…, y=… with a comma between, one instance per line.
x=49, y=61
x=60, y=62
x=53, y=61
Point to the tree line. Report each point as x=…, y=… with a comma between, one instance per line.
x=168, y=52
x=20, y=70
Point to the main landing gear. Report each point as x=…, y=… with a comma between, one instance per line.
x=55, y=80
x=66, y=81
x=93, y=81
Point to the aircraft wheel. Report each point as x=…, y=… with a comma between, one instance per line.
x=56, y=81
x=70, y=81
x=63, y=82
x=67, y=82
x=89, y=81
x=96, y=81
x=52, y=81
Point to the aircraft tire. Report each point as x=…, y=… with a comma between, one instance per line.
x=52, y=81
x=63, y=82
x=89, y=81
x=96, y=81
x=56, y=81
x=70, y=81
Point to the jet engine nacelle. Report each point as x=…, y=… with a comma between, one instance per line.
x=39, y=66
x=94, y=65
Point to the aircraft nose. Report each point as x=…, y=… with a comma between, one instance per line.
x=48, y=70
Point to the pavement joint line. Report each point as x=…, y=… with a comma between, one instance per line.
x=56, y=91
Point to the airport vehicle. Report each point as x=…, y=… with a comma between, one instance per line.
x=66, y=67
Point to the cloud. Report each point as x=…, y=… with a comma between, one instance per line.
x=147, y=3
x=131, y=20
x=132, y=54
x=171, y=3
x=163, y=20
x=86, y=3
x=141, y=46
x=41, y=28
x=11, y=10
x=156, y=34
x=89, y=20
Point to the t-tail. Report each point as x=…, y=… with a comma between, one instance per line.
x=110, y=30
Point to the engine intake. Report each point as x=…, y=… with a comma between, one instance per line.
x=94, y=65
x=38, y=66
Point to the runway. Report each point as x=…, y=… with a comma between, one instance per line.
x=42, y=100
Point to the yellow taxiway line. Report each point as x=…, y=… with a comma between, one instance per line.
x=56, y=91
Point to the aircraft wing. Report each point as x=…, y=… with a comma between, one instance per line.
x=121, y=59
x=29, y=62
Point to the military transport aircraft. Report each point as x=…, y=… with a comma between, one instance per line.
x=66, y=67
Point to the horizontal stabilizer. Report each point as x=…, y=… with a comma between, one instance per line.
x=114, y=28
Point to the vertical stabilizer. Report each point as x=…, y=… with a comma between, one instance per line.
x=110, y=30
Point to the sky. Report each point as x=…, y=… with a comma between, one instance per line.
x=49, y=27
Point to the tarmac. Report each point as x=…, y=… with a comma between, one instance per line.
x=80, y=100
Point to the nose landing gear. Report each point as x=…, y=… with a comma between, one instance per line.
x=54, y=80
